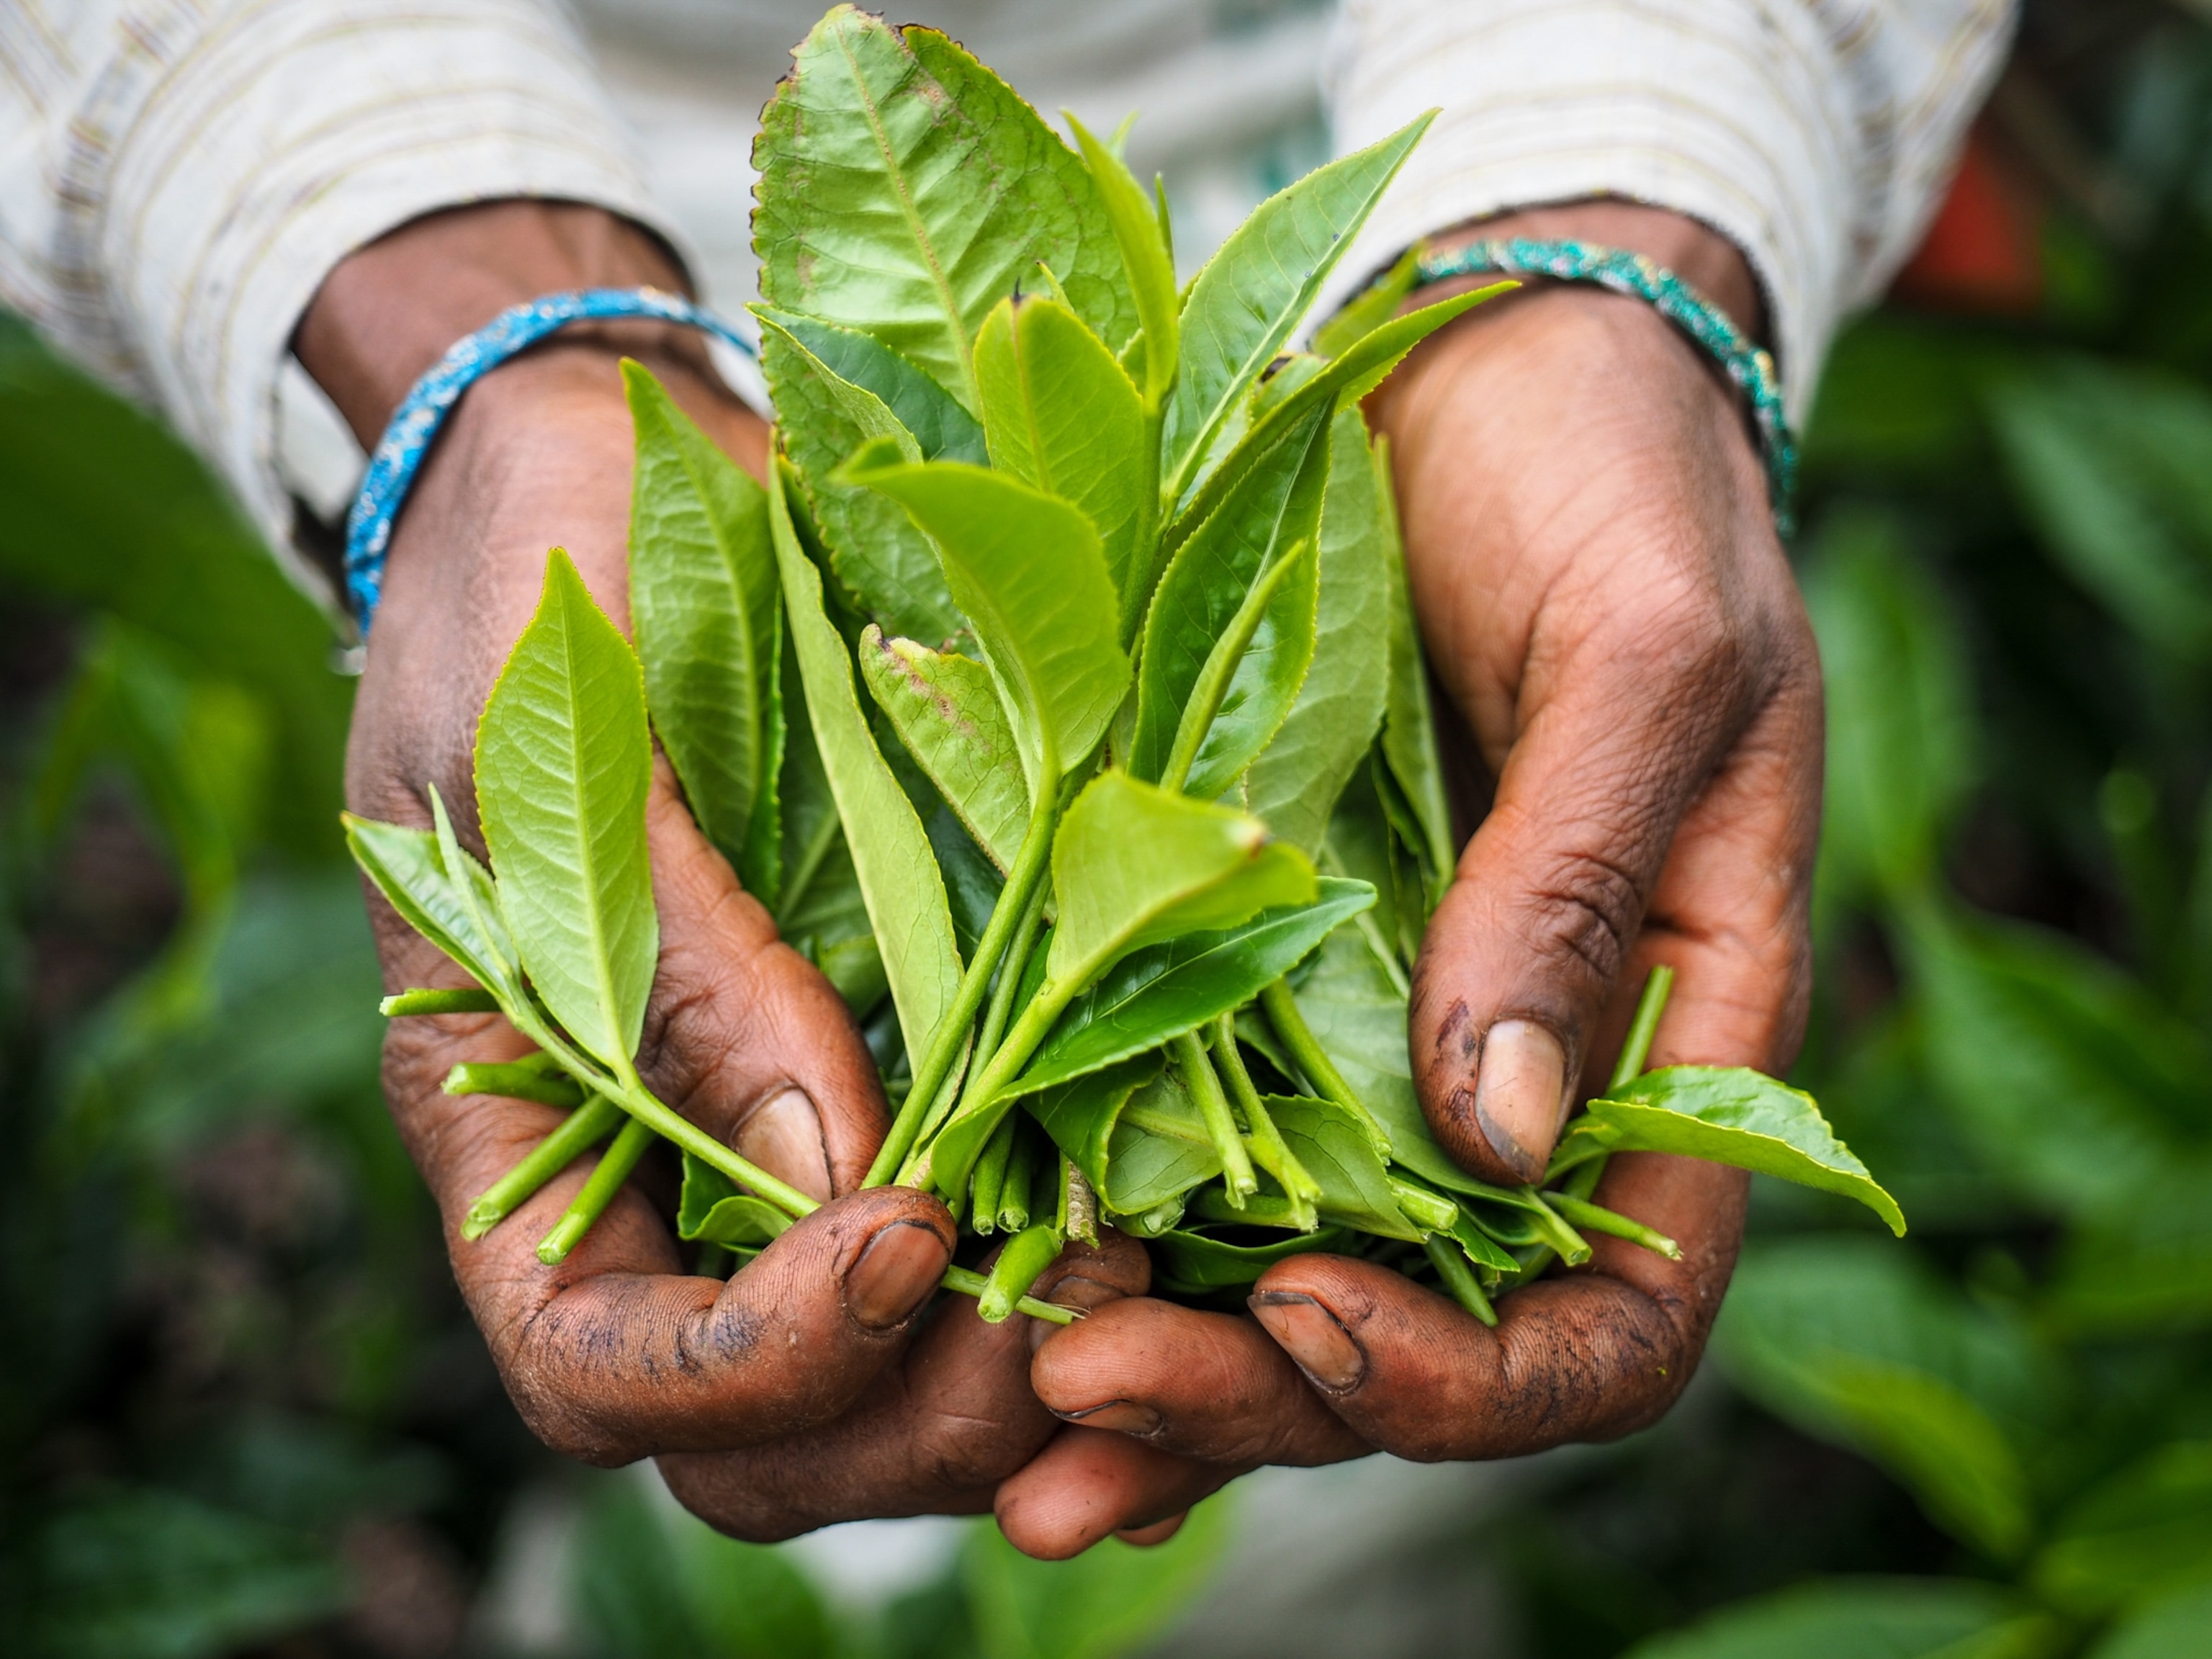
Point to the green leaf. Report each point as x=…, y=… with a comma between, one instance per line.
x=941, y=428
x=1294, y=785
x=1901, y=740
x=2177, y=1627
x=890, y=853
x=1409, y=729
x=1250, y=679
x=1027, y=570
x=1133, y=1131
x=1134, y=866
x=1276, y=505
x=1855, y=1342
x=1337, y=1151
x=563, y=763
x=1059, y=414
x=711, y=1209
x=702, y=596
x=2145, y=1268
x=1192, y=1264
x=875, y=549
x=1149, y=262
x=2041, y=1049
x=947, y=715
x=1371, y=307
x=1156, y=994
x=2144, y=1533
x=2109, y=462
x=1862, y=1617
x=1258, y=286
x=1732, y=1115
x=409, y=870
x=904, y=191
x=1109, y=1601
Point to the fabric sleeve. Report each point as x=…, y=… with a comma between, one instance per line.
x=177, y=177
x=1817, y=135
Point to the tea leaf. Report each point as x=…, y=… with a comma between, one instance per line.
x=1061, y=414
x=409, y=871
x=1134, y=1131
x=941, y=428
x=875, y=549
x=703, y=600
x=1161, y=991
x=1149, y=262
x=946, y=713
x=1027, y=570
x=905, y=190
x=1337, y=1151
x=1294, y=784
x=1409, y=730
x=1277, y=505
x=1372, y=307
x=1736, y=1116
x=2141, y=1533
x=1250, y=679
x=1853, y=1617
x=1191, y=1264
x=1257, y=287
x=712, y=1210
x=563, y=763
x=890, y=854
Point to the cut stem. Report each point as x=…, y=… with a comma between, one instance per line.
x=517, y=1080
x=585, y=1127
x=1212, y=685
x=1026, y=1255
x=1205, y=1087
x=596, y=1193
x=1596, y=1219
x=470, y=1001
x=1015, y=1191
x=1030, y=864
x=1459, y=1278
x=1305, y=1051
x=991, y=1178
x=967, y=1282
x=1269, y=1149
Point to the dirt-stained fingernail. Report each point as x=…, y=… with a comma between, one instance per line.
x=1309, y=1334
x=783, y=1135
x=898, y=1269
x=1122, y=1416
x=1518, y=1094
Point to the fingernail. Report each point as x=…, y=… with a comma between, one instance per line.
x=899, y=1268
x=1518, y=1094
x=783, y=1135
x=1308, y=1332
x=1122, y=1416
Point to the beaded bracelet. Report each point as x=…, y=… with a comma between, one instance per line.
x=1745, y=362
x=415, y=423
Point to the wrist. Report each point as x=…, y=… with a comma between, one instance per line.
x=388, y=311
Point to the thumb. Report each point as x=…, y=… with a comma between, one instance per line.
x=1527, y=947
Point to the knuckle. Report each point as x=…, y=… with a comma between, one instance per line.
x=1584, y=910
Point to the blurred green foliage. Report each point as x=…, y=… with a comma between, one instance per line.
x=242, y=1406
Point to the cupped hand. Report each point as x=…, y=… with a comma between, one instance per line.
x=1604, y=600
x=818, y=1384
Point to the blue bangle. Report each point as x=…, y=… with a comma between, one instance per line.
x=415, y=423
x=1744, y=362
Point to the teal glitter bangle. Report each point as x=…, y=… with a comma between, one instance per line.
x=1746, y=362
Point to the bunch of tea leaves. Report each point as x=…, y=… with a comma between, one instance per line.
x=1061, y=696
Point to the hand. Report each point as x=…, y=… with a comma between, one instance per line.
x=810, y=1388
x=1593, y=558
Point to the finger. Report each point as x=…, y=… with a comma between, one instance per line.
x=1204, y=1385
x=1590, y=1356
x=934, y=1434
x=744, y=1035
x=1089, y=1484
x=1159, y=1532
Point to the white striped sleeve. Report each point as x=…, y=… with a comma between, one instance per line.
x=177, y=177
x=1817, y=135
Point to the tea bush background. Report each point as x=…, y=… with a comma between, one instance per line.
x=242, y=1411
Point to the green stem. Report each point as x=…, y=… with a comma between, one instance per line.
x=585, y=1127
x=984, y=1087
x=1638, y=1047
x=1145, y=562
x=1205, y=700
x=1010, y=969
x=596, y=1193
x=516, y=1081
x=1016, y=1191
x=967, y=1282
x=1573, y=1248
x=470, y=1001
x=1026, y=1255
x=990, y=1178
x=1305, y=1051
x=1271, y=1151
x=1459, y=1278
x=1199, y=1077
x=1266, y=1210
x=1030, y=864
x=1596, y=1219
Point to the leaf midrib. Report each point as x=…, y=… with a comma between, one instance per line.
x=594, y=907
x=893, y=170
